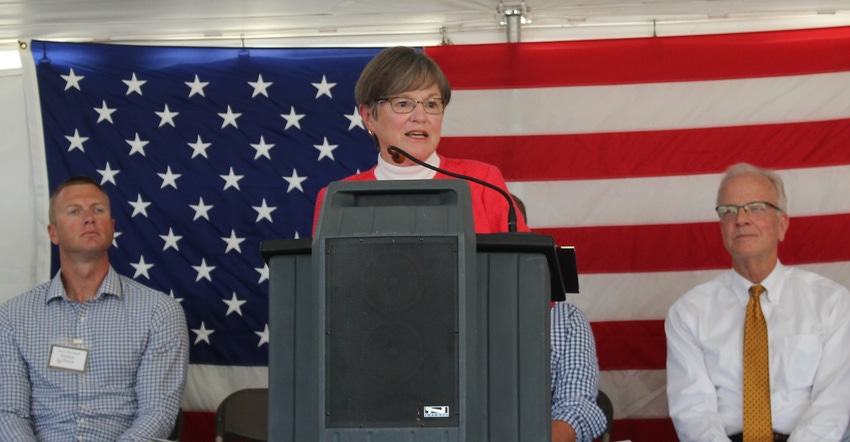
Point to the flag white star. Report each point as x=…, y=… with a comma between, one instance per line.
x=137, y=145
x=203, y=271
x=139, y=206
x=355, y=120
x=233, y=242
x=72, y=80
x=295, y=181
x=292, y=119
x=108, y=175
x=171, y=293
x=76, y=141
x=114, y=237
x=167, y=117
x=323, y=88
x=141, y=268
x=264, y=211
x=203, y=334
x=197, y=86
x=134, y=85
x=231, y=180
x=199, y=147
x=170, y=240
x=229, y=118
x=169, y=178
x=264, y=336
x=201, y=210
x=262, y=148
x=260, y=86
x=325, y=149
x=104, y=112
x=264, y=273
x=233, y=305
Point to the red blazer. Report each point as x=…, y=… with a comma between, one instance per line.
x=489, y=208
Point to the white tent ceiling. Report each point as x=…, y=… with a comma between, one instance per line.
x=383, y=22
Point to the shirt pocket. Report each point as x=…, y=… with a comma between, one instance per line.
x=803, y=354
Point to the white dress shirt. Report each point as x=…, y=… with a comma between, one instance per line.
x=808, y=322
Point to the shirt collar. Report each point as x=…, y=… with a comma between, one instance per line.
x=389, y=171
x=111, y=285
x=772, y=284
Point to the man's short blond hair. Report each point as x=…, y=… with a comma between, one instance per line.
x=76, y=180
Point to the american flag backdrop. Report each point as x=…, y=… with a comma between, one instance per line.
x=615, y=146
x=205, y=153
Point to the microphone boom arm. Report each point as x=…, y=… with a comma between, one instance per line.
x=395, y=152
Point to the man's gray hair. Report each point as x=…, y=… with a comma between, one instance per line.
x=746, y=169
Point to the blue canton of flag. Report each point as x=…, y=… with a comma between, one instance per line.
x=204, y=152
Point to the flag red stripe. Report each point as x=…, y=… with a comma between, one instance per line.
x=630, y=345
x=644, y=60
x=198, y=426
x=657, y=153
x=643, y=430
x=695, y=246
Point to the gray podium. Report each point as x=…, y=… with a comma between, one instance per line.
x=396, y=322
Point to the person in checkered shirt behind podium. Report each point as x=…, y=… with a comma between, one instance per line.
x=90, y=355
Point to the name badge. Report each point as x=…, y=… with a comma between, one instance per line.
x=68, y=358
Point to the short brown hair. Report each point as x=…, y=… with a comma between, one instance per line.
x=72, y=181
x=396, y=70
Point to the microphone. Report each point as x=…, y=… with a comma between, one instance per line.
x=398, y=156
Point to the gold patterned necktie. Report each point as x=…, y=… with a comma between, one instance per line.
x=757, y=422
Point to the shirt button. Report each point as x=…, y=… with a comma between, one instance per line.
x=81, y=421
x=82, y=319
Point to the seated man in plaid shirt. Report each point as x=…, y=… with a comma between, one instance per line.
x=90, y=355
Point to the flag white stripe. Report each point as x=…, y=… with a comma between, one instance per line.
x=208, y=385
x=644, y=107
x=648, y=295
x=667, y=200
x=636, y=394
x=642, y=296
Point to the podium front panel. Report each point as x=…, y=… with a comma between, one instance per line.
x=391, y=331
x=395, y=328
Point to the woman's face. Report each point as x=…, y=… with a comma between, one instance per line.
x=417, y=133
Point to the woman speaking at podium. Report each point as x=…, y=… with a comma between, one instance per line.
x=402, y=95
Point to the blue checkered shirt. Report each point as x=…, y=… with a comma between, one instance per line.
x=138, y=357
x=575, y=373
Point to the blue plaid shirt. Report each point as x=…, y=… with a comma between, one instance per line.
x=138, y=357
x=575, y=372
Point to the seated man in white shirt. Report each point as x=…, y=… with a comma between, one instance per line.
x=806, y=393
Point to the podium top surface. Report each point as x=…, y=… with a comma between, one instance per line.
x=561, y=261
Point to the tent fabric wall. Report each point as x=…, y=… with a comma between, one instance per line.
x=24, y=245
